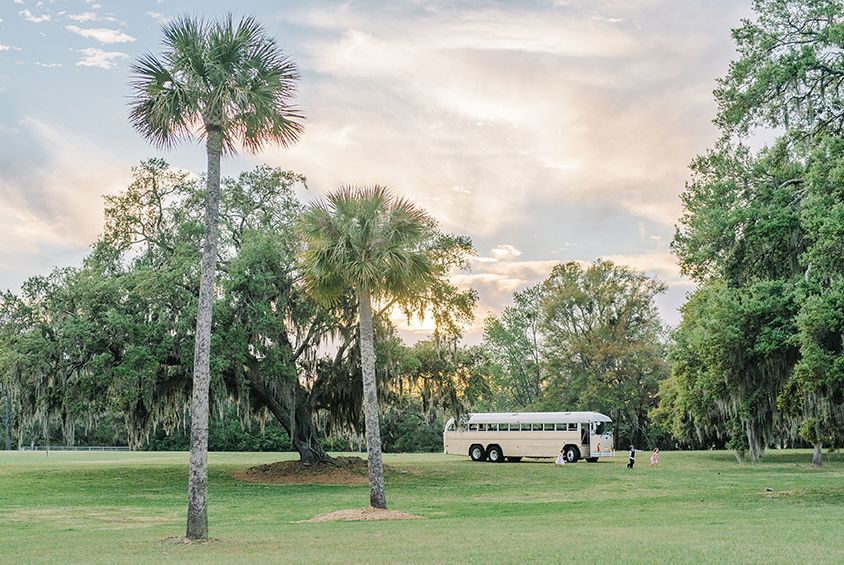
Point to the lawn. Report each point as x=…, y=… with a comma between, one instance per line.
x=695, y=507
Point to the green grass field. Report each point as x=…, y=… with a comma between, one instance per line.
x=696, y=507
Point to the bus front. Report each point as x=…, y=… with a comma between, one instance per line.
x=602, y=442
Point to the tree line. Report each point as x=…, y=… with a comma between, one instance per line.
x=756, y=360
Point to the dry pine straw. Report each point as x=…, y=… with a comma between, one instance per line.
x=356, y=514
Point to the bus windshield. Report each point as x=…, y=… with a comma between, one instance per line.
x=603, y=428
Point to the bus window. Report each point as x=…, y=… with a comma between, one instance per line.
x=492, y=427
x=537, y=427
x=548, y=427
x=602, y=428
x=572, y=427
x=561, y=427
x=525, y=427
x=473, y=427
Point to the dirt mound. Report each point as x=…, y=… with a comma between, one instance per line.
x=340, y=471
x=356, y=514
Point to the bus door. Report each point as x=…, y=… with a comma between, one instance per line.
x=584, y=435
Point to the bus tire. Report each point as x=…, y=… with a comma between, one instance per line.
x=494, y=454
x=514, y=459
x=571, y=454
x=477, y=453
x=591, y=459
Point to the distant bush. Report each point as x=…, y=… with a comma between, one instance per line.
x=407, y=431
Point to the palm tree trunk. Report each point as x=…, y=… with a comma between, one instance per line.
x=377, y=496
x=197, y=527
x=817, y=456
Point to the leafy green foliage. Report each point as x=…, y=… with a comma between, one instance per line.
x=789, y=70
x=602, y=343
x=514, y=345
x=756, y=354
x=226, y=434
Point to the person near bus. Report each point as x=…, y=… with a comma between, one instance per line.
x=655, y=457
x=561, y=458
x=632, y=457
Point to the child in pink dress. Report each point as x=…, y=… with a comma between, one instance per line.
x=655, y=457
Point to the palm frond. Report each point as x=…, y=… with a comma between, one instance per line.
x=162, y=108
x=223, y=75
x=369, y=240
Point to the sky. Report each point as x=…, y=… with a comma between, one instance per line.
x=547, y=131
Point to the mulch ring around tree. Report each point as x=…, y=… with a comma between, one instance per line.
x=340, y=471
x=358, y=514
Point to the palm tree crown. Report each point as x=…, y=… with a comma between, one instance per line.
x=224, y=76
x=364, y=238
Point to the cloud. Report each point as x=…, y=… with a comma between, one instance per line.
x=505, y=251
x=93, y=57
x=48, y=65
x=9, y=48
x=51, y=202
x=36, y=19
x=497, y=281
x=90, y=17
x=512, y=107
x=103, y=35
x=159, y=17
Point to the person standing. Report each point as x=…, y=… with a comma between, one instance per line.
x=561, y=458
x=632, y=457
x=655, y=457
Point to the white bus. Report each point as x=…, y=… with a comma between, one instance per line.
x=496, y=436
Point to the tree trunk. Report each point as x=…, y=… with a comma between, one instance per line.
x=8, y=418
x=817, y=457
x=301, y=428
x=197, y=526
x=377, y=496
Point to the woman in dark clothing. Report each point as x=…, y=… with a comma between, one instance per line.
x=632, y=458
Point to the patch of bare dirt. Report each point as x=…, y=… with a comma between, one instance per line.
x=186, y=541
x=357, y=514
x=340, y=471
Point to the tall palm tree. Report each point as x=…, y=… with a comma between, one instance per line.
x=227, y=84
x=366, y=241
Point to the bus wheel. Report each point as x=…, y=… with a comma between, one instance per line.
x=494, y=455
x=591, y=459
x=572, y=454
x=477, y=453
x=514, y=459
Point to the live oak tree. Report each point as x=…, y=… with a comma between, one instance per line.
x=266, y=330
x=228, y=84
x=764, y=231
x=789, y=70
x=135, y=297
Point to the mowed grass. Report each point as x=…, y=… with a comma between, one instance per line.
x=695, y=507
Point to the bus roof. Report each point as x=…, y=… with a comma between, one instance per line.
x=536, y=417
